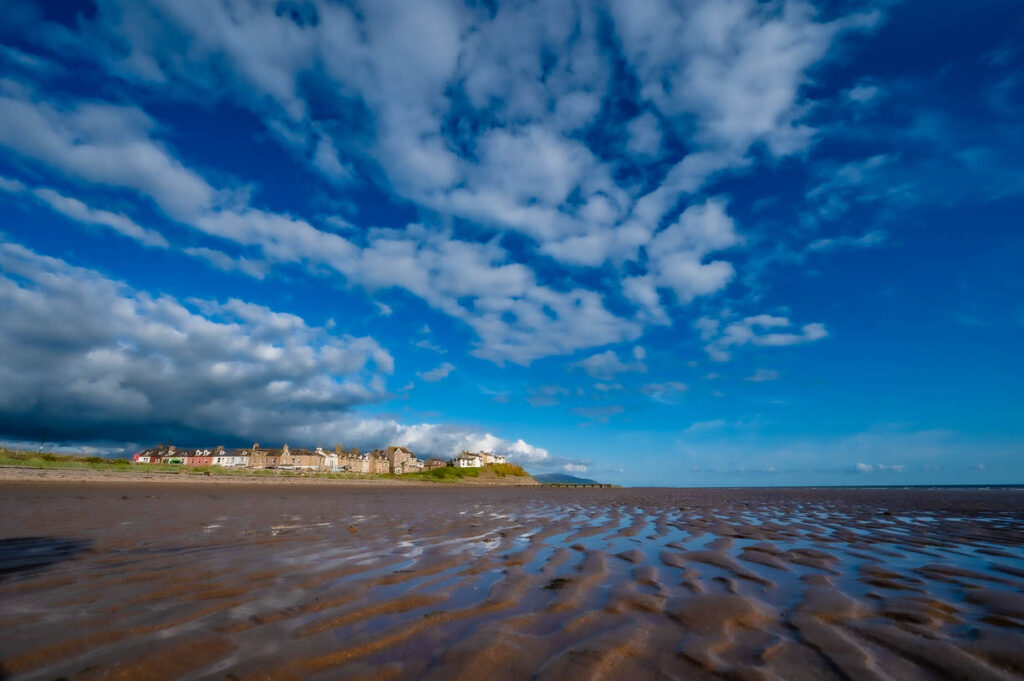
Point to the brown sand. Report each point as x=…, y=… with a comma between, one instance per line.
x=234, y=581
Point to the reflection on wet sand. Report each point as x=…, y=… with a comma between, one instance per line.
x=151, y=581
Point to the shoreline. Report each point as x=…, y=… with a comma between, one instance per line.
x=15, y=474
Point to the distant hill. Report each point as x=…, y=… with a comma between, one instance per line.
x=563, y=479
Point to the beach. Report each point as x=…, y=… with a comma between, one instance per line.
x=158, y=580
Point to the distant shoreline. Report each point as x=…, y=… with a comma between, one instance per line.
x=34, y=474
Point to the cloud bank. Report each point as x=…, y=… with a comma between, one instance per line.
x=89, y=358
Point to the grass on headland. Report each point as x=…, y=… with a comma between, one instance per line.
x=503, y=469
x=452, y=474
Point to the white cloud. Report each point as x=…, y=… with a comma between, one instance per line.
x=12, y=186
x=737, y=66
x=606, y=365
x=427, y=345
x=676, y=256
x=703, y=426
x=644, y=135
x=666, y=393
x=101, y=143
x=325, y=158
x=438, y=373
x=862, y=467
x=80, y=212
x=95, y=358
x=763, y=330
x=472, y=115
x=871, y=239
x=515, y=317
x=762, y=376
x=256, y=269
x=537, y=70
x=862, y=94
x=446, y=440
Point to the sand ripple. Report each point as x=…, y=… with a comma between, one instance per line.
x=175, y=582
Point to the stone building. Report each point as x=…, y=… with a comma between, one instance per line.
x=306, y=460
x=352, y=460
x=401, y=460
x=379, y=463
x=254, y=456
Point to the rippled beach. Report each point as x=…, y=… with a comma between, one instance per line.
x=152, y=581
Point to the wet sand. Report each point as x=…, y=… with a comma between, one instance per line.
x=151, y=581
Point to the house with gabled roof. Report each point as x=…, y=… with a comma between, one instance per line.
x=401, y=460
x=160, y=454
x=328, y=459
x=468, y=460
x=231, y=458
x=199, y=457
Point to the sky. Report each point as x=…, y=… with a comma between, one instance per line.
x=686, y=243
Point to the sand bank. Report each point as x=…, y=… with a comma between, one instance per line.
x=150, y=581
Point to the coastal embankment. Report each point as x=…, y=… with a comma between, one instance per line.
x=138, y=474
x=29, y=466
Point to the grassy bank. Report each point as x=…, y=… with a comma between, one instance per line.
x=452, y=474
x=48, y=461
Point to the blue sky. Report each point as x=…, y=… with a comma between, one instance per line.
x=702, y=242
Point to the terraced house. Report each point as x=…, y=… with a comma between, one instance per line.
x=394, y=460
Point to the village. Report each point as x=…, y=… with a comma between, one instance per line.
x=388, y=461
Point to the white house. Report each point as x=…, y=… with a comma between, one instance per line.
x=329, y=459
x=494, y=458
x=233, y=459
x=467, y=460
